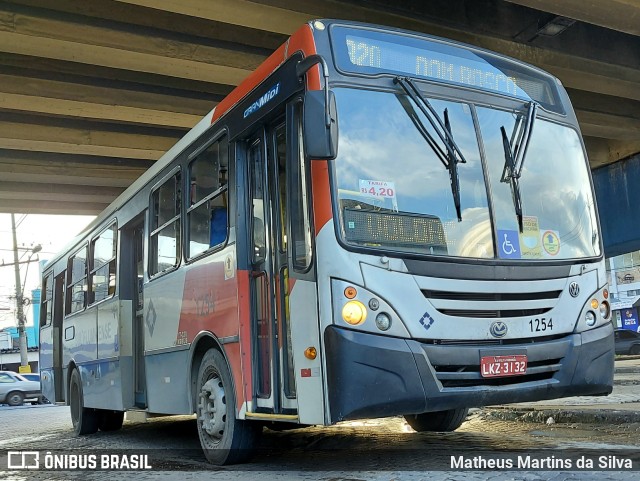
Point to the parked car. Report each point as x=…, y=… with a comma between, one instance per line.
x=627, y=342
x=30, y=376
x=34, y=376
x=14, y=389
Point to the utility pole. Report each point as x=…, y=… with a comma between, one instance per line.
x=24, y=360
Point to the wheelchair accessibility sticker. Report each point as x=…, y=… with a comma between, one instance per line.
x=509, y=244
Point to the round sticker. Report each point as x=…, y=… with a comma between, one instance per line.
x=551, y=242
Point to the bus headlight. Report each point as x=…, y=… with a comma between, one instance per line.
x=354, y=313
x=590, y=318
x=605, y=310
x=383, y=321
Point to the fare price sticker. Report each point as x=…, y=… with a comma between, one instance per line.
x=378, y=188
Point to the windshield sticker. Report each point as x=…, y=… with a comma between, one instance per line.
x=551, y=242
x=530, y=241
x=378, y=188
x=508, y=244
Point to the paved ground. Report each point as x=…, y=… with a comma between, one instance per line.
x=378, y=449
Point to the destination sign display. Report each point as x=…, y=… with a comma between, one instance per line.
x=373, y=52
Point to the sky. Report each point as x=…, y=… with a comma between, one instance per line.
x=52, y=232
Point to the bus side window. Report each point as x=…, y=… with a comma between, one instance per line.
x=164, y=239
x=207, y=213
x=300, y=217
x=46, y=312
x=77, y=282
x=103, y=264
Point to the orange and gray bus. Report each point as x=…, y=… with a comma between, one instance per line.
x=374, y=223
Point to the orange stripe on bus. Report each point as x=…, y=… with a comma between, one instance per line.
x=301, y=41
x=244, y=316
x=321, y=193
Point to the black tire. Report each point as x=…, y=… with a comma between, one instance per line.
x=15, y=398
x=635, y=350
x=439, y=421
x=224, y=439
x=85, y=420
x=110, y=420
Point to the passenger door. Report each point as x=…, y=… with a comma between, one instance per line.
x=274, y=386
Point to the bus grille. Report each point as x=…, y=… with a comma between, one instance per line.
x=469, y=375
x=456, y=364
x=492, y=305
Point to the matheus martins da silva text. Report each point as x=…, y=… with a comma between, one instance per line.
x=547, y=462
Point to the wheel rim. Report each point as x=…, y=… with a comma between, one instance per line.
x=15, y=398
x=212, y=409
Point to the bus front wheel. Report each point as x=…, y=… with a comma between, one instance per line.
x=439, y=421
x=85, y=420
x=224, y=439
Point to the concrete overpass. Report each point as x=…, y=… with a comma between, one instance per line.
x=92, y=92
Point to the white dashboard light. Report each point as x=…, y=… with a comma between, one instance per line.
x=383, y=321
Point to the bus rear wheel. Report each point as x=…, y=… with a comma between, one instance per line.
x=438, y=421
x=85, y=420
x=224, y=439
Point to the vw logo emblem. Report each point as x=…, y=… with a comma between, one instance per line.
x=498, y=329
x=574, y=289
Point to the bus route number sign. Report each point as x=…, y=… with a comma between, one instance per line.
x=502, y=366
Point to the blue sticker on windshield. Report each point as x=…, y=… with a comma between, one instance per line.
x=508, y=244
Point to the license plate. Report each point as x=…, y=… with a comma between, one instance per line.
x=502, y=366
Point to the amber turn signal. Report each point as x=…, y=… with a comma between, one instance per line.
x=311, y=353
x=350, y=292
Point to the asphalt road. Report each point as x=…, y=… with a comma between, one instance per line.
x=378, y=449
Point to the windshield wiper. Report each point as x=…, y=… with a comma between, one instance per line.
x=453, y=154
x=514, y=158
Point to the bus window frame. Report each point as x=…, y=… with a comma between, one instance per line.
x=69, y=276
x=295, y=126
x=47, y=280
x=91, y=266
x=176, y=170
x=191, y=159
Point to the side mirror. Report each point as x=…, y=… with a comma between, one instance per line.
x=320, y=120
x=320, y=140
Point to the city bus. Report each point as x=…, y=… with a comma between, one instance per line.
x=374, y=223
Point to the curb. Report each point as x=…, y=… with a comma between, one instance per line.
x=562, y=416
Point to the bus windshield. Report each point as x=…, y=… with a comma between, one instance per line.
x=395, y=194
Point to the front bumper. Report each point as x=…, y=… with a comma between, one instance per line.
x=375, y=376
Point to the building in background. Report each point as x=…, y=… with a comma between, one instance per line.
x=9, y=340
x=624, y=285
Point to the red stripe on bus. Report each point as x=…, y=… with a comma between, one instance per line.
x=234, y=355
x=321, y=193
x=244, y=316
x=302, y=40
x=208, y=302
